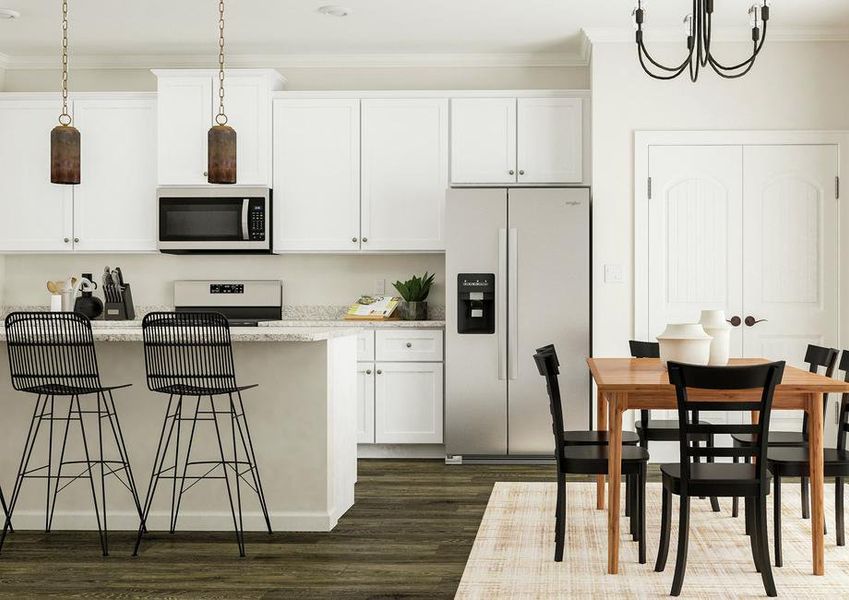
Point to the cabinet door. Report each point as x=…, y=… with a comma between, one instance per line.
x=408, y=403
x=483, y=140
x=248, y=107
x=115, y=203
x=36, y=214
x=317, y=175
x=404, y=174
x=550, y=133
x=365, y=403
x=185, y=116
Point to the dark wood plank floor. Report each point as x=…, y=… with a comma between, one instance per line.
x=408, y=536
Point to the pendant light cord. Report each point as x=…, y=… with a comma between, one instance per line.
x=221, y=118
x=65, y=117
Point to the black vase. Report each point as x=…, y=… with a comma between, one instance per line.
x=88, y=305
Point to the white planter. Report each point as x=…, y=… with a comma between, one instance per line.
x=684, y=343
x=715, y=325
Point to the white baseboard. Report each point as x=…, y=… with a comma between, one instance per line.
x=401, y=451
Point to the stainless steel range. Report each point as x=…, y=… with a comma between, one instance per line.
x=244, y=303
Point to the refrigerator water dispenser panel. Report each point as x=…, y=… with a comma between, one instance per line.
x=475, y=303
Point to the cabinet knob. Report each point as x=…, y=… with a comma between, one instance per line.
x=379, y=372
x=354, y=239
x=76, y=240
x=511, y=172
x=521, y=172
x=365, y=239
x=67, y=240
x=409, y=344
x=368, y=371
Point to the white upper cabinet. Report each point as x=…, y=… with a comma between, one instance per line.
x=404, y=174
x=483, y=140
x=187, y=105
x=550, y=140
x=115, y=203
x=316, y=175
x=510, y=140
x=37, y=216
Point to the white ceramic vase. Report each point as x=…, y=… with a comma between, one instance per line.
x=715, y=325
x=684, y=343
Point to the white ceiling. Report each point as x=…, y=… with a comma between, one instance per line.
x=158, y=28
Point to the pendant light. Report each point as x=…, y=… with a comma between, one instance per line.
x=221, y=140
x=65, y=138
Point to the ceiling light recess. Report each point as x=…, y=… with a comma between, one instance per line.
x=8, y=14
x=334, y=11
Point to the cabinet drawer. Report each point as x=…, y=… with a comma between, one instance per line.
x=365, y=346
x=407, y=344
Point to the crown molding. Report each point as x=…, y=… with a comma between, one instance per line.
x=307, y=61
x=604, y=35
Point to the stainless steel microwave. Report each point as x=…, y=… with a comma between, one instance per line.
x=229, y=219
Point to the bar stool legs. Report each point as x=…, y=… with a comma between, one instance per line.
x=45, y=411
x=241, y=464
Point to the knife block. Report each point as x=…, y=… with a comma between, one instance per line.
x=122, y=309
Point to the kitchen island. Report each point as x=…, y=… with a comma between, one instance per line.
x=302, y=419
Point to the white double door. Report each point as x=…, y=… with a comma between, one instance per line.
x=751, y=230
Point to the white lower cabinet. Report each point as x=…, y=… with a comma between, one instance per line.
x=408, y=403
x=365, y=403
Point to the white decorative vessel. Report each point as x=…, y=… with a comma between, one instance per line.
x=715, y=325
x=685, y=343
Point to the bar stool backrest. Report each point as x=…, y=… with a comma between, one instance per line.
x=548, y=366
x=188, y=350
x=51, y=350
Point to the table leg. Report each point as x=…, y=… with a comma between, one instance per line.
x=614, y=473
x=815, y=457
x=601, y=417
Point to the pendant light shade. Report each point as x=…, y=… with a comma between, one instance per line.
x=221, y=139
x=65, y=138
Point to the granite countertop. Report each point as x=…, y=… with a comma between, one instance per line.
x=131, y=331
x=356, y=323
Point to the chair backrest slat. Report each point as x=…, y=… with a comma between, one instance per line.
x=51, y=349
x=644, y=349
x=188, y=349
x=548, y=366
x=763, y=377
x=818, y=357
x=843, y=415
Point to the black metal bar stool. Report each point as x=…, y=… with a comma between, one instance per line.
x=52, y=356
x=189, y=354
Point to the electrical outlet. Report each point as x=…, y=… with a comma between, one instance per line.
x=379, y=287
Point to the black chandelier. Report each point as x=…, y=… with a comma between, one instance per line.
x=698, y=29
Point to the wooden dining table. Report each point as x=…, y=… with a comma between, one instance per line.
x=643, y=383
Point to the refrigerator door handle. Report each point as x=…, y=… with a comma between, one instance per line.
x=501, y=304
x=512, y=303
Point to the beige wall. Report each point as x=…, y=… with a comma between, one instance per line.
x=793, y=86
x=412, y=78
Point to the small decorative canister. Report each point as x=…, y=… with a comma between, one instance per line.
x=715, y=325
x=685, y=343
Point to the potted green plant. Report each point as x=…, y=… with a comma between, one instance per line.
x=414, y=292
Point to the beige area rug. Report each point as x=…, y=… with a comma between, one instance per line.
x=513, y=553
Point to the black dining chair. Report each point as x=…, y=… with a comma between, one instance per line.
x=793, y=462
x=663, y=430
x=816, y=357
x=587, y=460
x=692, y=478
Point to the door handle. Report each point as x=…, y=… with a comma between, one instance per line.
x=735, y=321
x=501, y=304
x=751, y=321
x=245, y=206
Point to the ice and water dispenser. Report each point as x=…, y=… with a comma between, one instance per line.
x=476, y=303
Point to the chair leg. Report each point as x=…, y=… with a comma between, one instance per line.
x=240, y=538
x=641, y=512
x=763, y=546
x=839, y=517
x=665, y=526
x=714, y=502
x=175, y=510
x=683, y=543
x=560, y=525
x=52, y=510
x=628, y=499
x=776, y=515
x=118, y=435
x=735, y=501
x=634, y=494
x=806, y=499
x=749, y=508
x=247, y=443
x=100, y=528
x=178, y=419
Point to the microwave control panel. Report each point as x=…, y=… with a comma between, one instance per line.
x=256, y=219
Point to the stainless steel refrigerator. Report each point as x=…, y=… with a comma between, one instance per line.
x=517, y=278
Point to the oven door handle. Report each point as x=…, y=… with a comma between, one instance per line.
x=245, y=206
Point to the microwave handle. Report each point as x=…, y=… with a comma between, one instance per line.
x=245, y=205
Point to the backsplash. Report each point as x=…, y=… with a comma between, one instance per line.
x=313, y=285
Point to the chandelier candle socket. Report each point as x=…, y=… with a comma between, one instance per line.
x=221, y=139
x=698, y=28
x=65, y=138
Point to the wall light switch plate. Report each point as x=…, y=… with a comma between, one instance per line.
x=379, y=287
x=613, y=274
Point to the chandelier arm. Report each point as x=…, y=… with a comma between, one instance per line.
x=705, y=34
x=734, y=75
x=673, y=75
x=641, y=47
x=746, y=63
